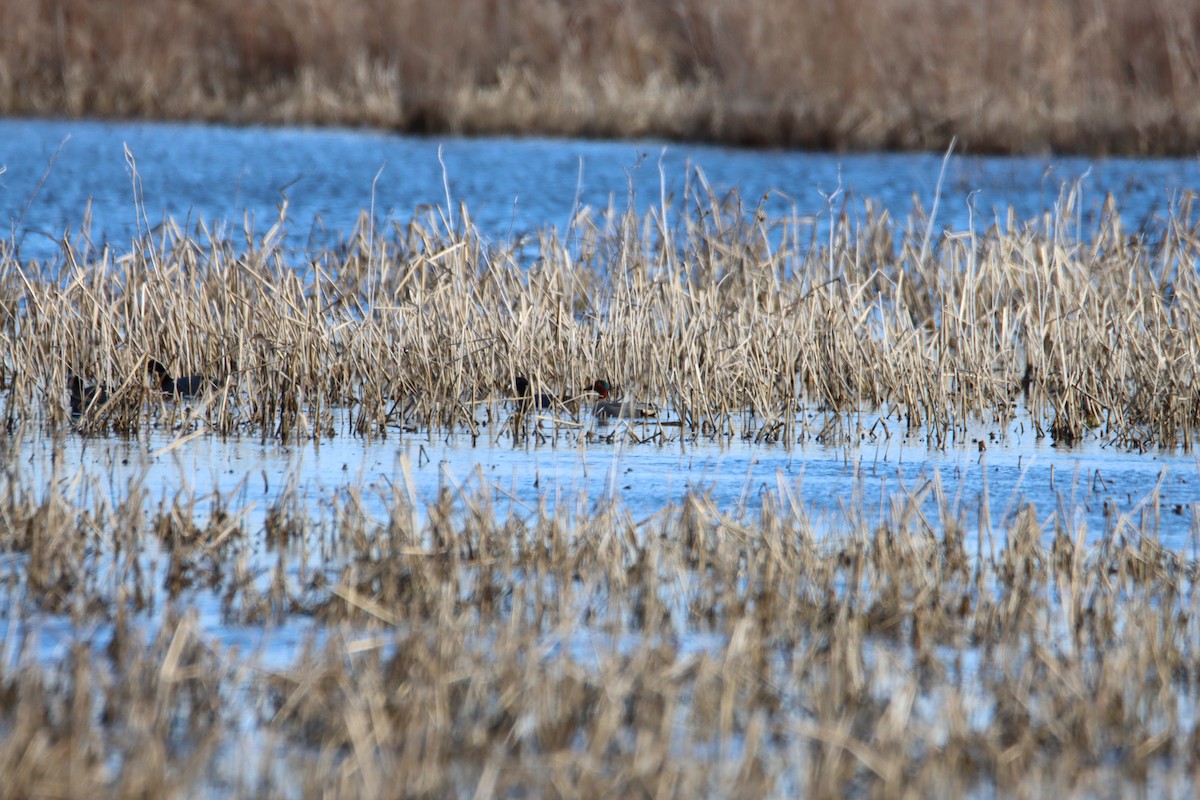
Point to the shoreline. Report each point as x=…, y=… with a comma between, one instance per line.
x=1169, y=138
x=818, y=143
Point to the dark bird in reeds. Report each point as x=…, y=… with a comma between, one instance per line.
x=186, y=387
x=527, y=400
x=84, y=396
x=609, y=407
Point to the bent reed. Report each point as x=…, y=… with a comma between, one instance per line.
x=731, y=321
x=468, y=648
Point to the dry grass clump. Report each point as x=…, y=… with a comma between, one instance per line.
x=729, y=322
x=1111, y=76
x=134, y=720
x=470, y=648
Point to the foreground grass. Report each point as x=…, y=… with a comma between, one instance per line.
x=731, y=322
x=461, y=649
x=1107, y=77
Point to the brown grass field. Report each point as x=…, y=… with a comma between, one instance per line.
x=1095, y=76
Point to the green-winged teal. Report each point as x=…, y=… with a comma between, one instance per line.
x=83, y=396
x=608, y=407
x=186, y=387
x=527, y=400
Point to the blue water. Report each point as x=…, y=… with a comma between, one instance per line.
x=511, y=187
x=1105, y=495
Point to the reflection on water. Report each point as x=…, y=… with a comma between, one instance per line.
x=841, y=489
x=512, y=187
x=830, y=482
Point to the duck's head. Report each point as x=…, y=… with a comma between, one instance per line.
x=157, y=371
x=602, y=388
x=155, y=368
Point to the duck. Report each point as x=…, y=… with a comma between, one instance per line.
x=186, y=387
x=527, y=400
x=83, y=397
x=608, y=406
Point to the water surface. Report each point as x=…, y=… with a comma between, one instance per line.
x=511, y=187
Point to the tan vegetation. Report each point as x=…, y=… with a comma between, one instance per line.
x=468, y=650
x=1001, y=75
x=730, y=322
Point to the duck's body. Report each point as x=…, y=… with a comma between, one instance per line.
x=186, y=387
x=608, y=407
x=527, y=400
x=83, y=397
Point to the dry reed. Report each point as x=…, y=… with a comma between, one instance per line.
x=733, y=323
x=1108, y=76
x=466, y=648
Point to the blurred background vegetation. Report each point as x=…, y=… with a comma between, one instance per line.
x=1089, y=76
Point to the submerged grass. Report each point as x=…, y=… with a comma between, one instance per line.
x=463, y=649
x=729, y=321
x=1019, y=75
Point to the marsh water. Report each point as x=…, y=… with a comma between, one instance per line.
x=129, y=176
x=1107, y=493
